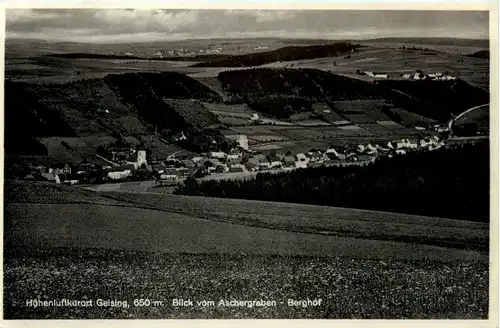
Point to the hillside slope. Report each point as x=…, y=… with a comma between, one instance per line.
x=117, y=105
x=283, y=92
x=202, y=225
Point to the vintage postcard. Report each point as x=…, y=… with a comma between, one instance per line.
x=256, y=162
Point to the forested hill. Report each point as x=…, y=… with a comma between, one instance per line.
x=282, y=92
x=116, y=105
x=282, y=54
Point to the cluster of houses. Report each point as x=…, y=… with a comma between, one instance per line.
x=176, y=167
x=418, y=75
x=185, y=52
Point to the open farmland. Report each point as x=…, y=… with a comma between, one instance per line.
x=62, y=70
x=377, y=58
x=233, y=115
x=411, y=119
x=312, y=123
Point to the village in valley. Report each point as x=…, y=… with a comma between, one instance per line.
x=127, y=163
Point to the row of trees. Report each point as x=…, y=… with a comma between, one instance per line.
x=452, y=183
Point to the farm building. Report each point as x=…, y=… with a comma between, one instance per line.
x=127, y=167
x=118, y=175
x=406, y=144
x=60, y=168
x=406, y=76
x=254, y=118
x=121, y=153
x=264, y=163
x=40, y=168
x=169, y=176
x=159, y=168
x=289, y=161
x=187, y=163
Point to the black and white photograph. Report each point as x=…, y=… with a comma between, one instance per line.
x=249, y=163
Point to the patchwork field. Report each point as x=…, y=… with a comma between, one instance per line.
x=378, y=58
x=313, y=123
x=411, y=119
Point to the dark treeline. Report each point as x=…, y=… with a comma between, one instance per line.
x=483, y=54
x=450, y=183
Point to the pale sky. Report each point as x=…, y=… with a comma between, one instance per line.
x=129, y=25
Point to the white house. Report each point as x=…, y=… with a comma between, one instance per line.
x=370, y=150
x=254, y=118
x=360, y=148
x=275, y=162
x=332, y=151
x=117, y=175
x=406, y=76
x=218, y=154
x=382, y=76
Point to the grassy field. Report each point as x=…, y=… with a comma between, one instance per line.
x=362, y=264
